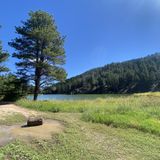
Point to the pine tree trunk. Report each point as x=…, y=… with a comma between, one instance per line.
x=37, y=84
x=35, y=94
x=36, y=89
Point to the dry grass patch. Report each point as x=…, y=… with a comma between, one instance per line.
x=44, y=131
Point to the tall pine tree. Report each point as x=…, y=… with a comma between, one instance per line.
x=39, y=48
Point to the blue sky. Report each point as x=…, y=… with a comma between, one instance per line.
x=97, y=32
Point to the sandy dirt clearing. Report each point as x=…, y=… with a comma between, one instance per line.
x=18, y=131
x=10, y=109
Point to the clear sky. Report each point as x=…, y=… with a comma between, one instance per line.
x=97, y=32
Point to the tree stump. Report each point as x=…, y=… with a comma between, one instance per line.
x=34, y=121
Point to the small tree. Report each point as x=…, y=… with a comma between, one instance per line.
x=3, y=58
x=39, y=47
x=12, y=88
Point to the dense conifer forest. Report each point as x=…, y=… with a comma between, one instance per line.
x=138, y=75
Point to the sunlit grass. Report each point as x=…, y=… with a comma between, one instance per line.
x=84, y=141
x=139, y=111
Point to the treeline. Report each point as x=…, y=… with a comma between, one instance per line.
x=39, y=49
x=12, y=88
x=139, y=75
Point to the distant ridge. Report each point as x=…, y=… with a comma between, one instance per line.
x=137, y=75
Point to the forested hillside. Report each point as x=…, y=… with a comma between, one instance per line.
x=137, y=75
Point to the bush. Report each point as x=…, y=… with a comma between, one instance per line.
x=12, y=88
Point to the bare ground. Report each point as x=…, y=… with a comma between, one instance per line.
x=9, y=133
x=10, y=109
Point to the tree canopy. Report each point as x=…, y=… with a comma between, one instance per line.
x=139, y=75
x=39, y=48
x=12, y=88
x=3, y=58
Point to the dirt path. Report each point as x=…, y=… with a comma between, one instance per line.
x=9, y=133
x=10, y=109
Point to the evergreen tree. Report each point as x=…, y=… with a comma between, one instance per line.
x=3, y=58
x=39, y=47
x=12, y=88
x=139, y=75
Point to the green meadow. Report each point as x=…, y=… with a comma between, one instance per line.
x=138, y=111
x=117, y=127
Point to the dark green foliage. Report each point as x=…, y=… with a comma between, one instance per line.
x=3, y=58
x=12, y=88
x=138, y=75
x=39, y=47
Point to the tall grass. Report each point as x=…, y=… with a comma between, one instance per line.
x=139, y=111
x=56, y=106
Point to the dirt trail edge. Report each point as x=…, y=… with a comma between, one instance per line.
x=10, y=109
x=9, y=133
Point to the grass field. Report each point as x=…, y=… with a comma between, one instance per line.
x=139, y=111
x=85, y=140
